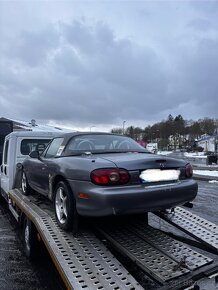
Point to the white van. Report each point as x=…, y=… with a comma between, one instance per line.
x=17, y=146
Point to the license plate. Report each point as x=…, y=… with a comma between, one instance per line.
x=155, y=175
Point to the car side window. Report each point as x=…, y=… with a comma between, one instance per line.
x=53, y=148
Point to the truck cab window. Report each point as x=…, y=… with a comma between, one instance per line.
x=29, y=145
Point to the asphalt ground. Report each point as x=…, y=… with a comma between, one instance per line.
x=206, y=202
x=18, y=273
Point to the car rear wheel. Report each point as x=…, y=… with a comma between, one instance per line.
x=26, y=189
x=65, y=208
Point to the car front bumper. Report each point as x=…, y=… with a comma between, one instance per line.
x=129, y=199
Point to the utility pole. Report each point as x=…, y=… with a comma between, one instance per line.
x=91, y=128
x=124, y=127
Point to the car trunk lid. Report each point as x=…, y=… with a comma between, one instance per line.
x=141, y=161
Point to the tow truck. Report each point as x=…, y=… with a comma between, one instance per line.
x=170, y=250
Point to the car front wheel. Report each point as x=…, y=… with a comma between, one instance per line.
x=65, y=207
x=26, y=189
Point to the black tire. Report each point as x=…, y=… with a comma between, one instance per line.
x=29, y=239
x=65, y=208
x=26, y=189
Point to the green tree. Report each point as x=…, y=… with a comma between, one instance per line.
x=117, y=131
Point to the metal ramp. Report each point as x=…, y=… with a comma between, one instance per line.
x=83, y=262
x=160, y=256
x=197, y=227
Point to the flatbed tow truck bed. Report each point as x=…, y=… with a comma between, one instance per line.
x=87, y=261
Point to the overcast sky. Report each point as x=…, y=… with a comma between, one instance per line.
x=98, y=63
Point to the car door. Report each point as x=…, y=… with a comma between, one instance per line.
x=36, y=172
x=41, y=168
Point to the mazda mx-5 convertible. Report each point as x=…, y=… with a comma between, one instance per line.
x=102, y=174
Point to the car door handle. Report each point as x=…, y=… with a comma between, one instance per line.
x=43, y=168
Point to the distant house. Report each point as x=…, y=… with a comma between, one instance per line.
x=152, y=147
x=209, y=143
x=175, y=141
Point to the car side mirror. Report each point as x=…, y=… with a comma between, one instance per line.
x=34, y=154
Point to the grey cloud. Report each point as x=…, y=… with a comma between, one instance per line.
x=196, y=78
x=88, y=39
x=86, y=73
x=200, y=24
x=33, y=47
x=119, y=63
x=68, y=62
x=205, y=7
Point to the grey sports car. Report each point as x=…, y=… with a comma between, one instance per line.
x=101, y=174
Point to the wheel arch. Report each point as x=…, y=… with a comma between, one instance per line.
x=55, y=181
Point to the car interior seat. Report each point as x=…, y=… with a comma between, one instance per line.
x=85, y=145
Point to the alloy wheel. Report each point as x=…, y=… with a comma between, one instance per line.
x=24, y=183
x=61, y=205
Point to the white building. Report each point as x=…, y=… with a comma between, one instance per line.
x=209, y=143
x=152, y=147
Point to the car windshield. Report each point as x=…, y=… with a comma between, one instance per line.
x=100, y=143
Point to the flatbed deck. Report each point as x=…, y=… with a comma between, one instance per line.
x=85, y=262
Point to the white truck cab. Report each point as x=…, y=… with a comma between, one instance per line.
x=17, y=146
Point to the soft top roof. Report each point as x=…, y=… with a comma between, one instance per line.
x=68, y=136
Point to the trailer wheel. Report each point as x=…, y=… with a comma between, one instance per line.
x=65, y=208
x=26, y=189
x=29, y=239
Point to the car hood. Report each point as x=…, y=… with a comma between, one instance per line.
x=139, y=161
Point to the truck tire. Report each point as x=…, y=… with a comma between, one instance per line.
x=29, y=239
x=65, y=208
x=26, y=189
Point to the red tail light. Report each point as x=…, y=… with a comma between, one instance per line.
x=110, y=176
x=188, y=170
